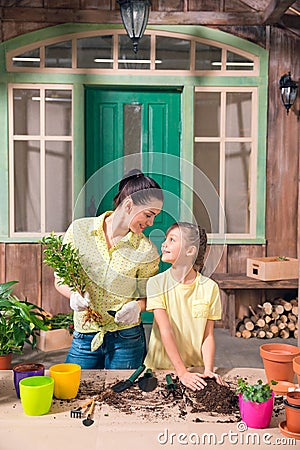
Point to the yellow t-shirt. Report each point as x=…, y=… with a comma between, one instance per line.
x=188, y=306
x=115, y=276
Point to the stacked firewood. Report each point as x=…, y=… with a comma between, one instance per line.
x=270, y=320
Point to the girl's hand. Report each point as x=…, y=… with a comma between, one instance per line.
x=193, y=381
x=210, y=374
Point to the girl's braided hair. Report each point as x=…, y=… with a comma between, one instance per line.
x=194, y=235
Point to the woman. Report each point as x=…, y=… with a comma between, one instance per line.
x=117, y=260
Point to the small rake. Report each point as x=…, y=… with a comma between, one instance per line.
x=77, y=413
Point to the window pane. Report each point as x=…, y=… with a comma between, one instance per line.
x=58, y=112
x=58, y=186
x=207, y=114
x=130, y=60
x=132, y=134
x=27, y=59
x=59, y=55
x=207, y=159
x=172, y=53
x=26, y=111
x=27, y=186
x=238, y=114
x=95, y=52
x=237, y=62
x=237, y=189
x=208, y=57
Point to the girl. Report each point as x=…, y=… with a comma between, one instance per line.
x=185, y=305
x=117, y=260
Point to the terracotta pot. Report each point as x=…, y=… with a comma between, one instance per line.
x=292, y=417
x=278, y=361
x=282, y=387
x=293, y=398
x=296, y=367
x=5, y=361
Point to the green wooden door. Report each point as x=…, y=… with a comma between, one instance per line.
x=128, y=129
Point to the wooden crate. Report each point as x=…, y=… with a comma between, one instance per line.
x=53, y=340
x=272, y=268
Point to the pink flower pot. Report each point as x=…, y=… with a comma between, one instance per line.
x=256, y=415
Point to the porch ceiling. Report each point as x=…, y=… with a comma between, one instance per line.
x=283, y=13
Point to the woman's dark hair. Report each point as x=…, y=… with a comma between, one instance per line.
x=193, y=235
x=141, y=188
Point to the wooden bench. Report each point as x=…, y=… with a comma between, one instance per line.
x=232, y=282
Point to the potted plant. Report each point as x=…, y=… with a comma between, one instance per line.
x=255, y=402
x=59, y=332
x=19, y=322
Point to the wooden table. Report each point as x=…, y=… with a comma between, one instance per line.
x=113, y=429
x=232, y=282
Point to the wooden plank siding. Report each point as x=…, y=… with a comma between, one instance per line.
x=282, y=149
x=2, y=262
x=24, y=263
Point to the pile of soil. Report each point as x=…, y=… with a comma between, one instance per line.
x=214, y=398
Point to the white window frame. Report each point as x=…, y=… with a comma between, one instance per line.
x=153, y=71
x=222, y=140
x=42, y=138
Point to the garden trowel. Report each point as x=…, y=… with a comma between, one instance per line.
x=122, y=385
x=148, y=381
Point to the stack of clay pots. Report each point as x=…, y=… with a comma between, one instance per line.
x=281, y=362
x=292, y=410
x=278, y=361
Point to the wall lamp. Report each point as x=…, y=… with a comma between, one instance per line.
x=288, y=90
x=134, y=14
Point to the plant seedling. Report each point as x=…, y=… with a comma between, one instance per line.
x=258, y=392
x=66, y=261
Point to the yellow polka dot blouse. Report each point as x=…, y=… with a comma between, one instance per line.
x=115, y=276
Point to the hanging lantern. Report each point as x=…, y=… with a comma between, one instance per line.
x=135, y=15
x=288, y=90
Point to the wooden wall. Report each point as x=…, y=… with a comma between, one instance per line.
x=283, y=145
x=23, y=262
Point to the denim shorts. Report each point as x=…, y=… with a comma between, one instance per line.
x=122, y=349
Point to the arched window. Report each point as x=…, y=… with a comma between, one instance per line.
x=112, y=50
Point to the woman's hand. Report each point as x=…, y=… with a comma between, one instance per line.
x=129, y=314
x=79, y=303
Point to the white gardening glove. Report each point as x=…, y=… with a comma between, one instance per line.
x=79, y=303
x=128, y=314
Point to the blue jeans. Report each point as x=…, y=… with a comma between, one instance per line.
x=122, y=349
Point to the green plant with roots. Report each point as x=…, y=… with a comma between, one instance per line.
x=258, y=392
x=66, y=262
x=19, y=321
